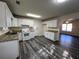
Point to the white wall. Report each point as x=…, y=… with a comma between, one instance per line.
x=61, y=19
x=35, y=23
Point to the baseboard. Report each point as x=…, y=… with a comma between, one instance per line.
x=70, y=35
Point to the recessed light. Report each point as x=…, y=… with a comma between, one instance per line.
x=33, y=15
x=60, y=1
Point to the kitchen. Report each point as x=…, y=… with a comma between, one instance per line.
x=33, y=36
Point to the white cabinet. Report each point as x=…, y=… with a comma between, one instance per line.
x=6, y=16
x=52, y=23
x=9, y=49
x=2, y=15
x=32, y=35
x=51, y=35
x=9, y=16
x=15, y=22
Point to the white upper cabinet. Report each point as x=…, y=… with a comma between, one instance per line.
x=6, y=16
x=14, y=22
x=52, y=23
x=2, y=15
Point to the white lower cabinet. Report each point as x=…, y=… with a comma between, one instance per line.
x=32, y=35
x=50, y=35
x=9, y=50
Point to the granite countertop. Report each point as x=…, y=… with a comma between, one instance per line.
x=55, y=31
x=8, y=37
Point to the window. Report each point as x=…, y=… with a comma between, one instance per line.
x=64, y=27
x=67, y=27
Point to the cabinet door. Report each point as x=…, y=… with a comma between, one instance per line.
x=8, y=16
x=15, y=23
x=9, y=50
x=2, y=15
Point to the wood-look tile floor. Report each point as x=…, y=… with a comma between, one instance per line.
x=42, y=48
x=70, y=43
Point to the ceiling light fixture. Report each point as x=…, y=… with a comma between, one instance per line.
x=33, y=15
x=70, y=19
x=60, y=1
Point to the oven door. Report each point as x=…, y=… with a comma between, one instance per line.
x=26, y=36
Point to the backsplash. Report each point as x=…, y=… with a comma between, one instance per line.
x=3, y=30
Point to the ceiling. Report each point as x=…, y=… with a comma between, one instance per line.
x=45, y=8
